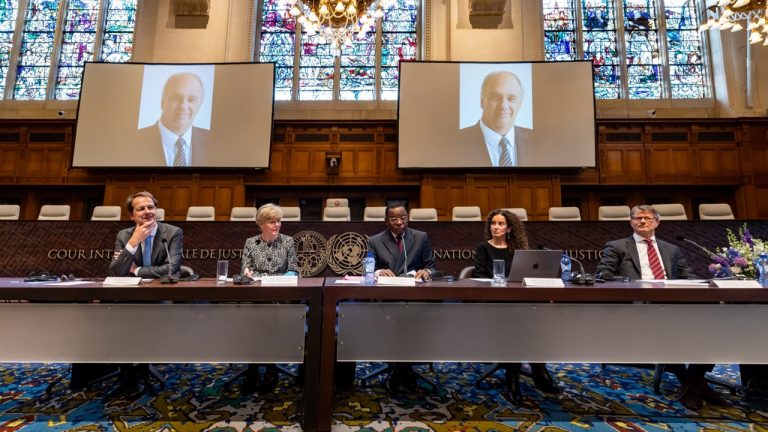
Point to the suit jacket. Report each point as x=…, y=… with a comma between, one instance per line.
x=149, y=138
x=416, y=246
x=474, y=152
x=620, y=258
x=121, y=266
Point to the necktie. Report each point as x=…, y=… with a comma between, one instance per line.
x=180, y=158
x=147, y=251
x=653, y=260
x=505, y=158
x=399, y=241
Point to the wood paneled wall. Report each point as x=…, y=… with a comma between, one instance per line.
x=639, y=161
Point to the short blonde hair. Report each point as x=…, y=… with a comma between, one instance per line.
x=268, y=212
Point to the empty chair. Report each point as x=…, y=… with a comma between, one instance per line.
x=201, y=213
x=520, y=212
x=466, y=213
x=291, y=214
x=337, y=202
x=159, y=214
x=719, y=211
x=613, y=213
x=674, y=211
x=106, y=213
x=374, y=214
x=423, y=214
x=562, y=214
x=243, y=214
x=9, y=211
x=54, y=212
x=336, y=214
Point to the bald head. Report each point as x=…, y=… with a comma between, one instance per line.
x=501, y=96
x=183, y=95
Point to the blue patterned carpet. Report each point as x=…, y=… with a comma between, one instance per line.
x=616, y=398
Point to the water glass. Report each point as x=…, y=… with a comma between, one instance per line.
x=222, y=270
x=499, y=275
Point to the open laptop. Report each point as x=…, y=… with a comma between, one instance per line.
x=535, y=263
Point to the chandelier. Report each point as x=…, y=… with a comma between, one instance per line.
x=338, y=22
x=735, y=14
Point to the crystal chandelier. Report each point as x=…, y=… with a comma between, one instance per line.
x=735, y=14
x=338, y=21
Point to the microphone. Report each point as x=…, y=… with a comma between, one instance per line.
x=582, y=278
x=405, y=254
x=169, y=279
x=710, y=255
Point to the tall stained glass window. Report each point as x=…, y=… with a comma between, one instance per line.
x=366, y=70
x=56, y=39
x=640, y=49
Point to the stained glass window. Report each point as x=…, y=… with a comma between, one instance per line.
x=57, y=38
x=657, y=53
x=363, y=71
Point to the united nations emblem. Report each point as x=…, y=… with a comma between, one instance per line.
x=346, y=252
x=311, y=250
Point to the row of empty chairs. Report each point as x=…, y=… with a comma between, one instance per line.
x=673, y=211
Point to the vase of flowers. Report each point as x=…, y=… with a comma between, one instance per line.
x=741, y=257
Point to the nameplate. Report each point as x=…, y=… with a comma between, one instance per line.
x=121, y=281
x=279, y=280
x=394, y=280
x=722, y=283
x=544, y=282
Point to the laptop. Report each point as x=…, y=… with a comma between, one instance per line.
x=535, y=263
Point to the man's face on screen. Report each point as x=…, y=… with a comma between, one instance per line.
x=181, y=101
x=501, y=100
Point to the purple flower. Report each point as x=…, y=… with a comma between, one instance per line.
x=741, y=262
x=714, y=268
x=747, y=237
x=720, y=260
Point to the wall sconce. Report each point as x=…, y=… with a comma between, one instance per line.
x=332, y=162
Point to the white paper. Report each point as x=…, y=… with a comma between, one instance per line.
x=394, y=280
x=122, y=281
x=721, y=283
x=279, y=280
x=69, y=283
x=350, y=280
x=544, y=282
x=686, y=282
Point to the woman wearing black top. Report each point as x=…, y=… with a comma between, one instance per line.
x=505, y=233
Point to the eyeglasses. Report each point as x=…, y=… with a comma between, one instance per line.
x=397, y=218
x=640, y=218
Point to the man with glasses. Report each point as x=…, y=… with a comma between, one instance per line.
x=643, y=256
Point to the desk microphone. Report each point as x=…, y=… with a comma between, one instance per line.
x=582, y=278
x=405, y=254
x=710, y=255
x=169, y=279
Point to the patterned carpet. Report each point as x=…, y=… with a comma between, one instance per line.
x=616, y=398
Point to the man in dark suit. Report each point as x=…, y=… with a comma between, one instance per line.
x=180, y=143
x=495, y=140
x=643, y=256
x=139, y=251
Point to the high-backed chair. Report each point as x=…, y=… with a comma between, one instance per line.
x=9, y=211
x=106, y=213
x=718, y=211
x=291, y=214
x=466, y=213
x=159, y=214
x=243, y=214
x=613, y=213
x=520, y=212
x=374, y=214
x=201, y=213
x=337, y=202
x=562, y=214
x=54, y=212
x=674, y=211
x=423, y=214
x=336, y=214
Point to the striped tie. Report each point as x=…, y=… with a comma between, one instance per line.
x=505, y=159
x=180, y=158
x=653, y=260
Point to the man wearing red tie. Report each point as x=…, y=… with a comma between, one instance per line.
x=643, y=256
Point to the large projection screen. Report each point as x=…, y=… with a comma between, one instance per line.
x=132, y=115
x=546, y=111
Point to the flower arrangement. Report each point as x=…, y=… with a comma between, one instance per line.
x=738, y=258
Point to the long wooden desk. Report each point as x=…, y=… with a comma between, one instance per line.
x=470, y=321
x=219, y=323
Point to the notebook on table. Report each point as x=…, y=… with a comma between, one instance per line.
x=535, y=264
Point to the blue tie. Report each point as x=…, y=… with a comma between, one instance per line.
x=148, y=251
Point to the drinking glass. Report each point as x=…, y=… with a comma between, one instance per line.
x=222, y=270
x=499, y=276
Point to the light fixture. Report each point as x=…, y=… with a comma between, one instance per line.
x=338, y=22
x=735, y=14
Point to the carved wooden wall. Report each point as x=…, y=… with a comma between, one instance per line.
x=639, y=161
